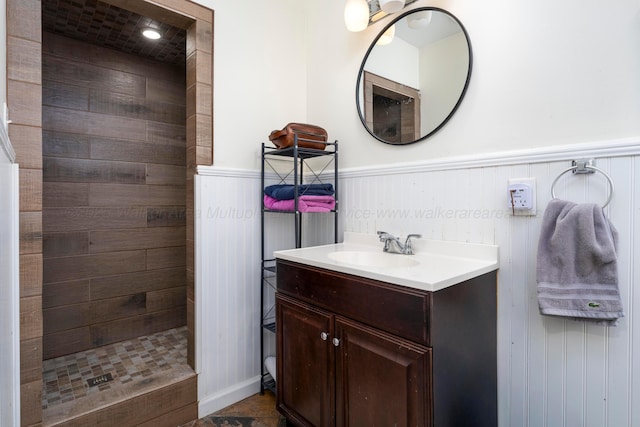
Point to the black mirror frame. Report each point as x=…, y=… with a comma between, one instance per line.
x=373, y=44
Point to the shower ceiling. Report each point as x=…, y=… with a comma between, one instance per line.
x=106, y=25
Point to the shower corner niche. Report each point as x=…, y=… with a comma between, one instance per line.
x=298, y=169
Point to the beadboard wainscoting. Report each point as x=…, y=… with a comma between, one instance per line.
x=551, y=371
x=228, y=279
x=227, y=297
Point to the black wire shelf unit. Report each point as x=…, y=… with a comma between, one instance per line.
x=300, y=172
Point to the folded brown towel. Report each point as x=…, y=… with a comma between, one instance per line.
x=577, y=270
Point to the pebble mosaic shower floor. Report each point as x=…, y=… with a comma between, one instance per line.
x=68, y=378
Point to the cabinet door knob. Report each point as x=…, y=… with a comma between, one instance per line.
x=324, y=336
x=336, y=342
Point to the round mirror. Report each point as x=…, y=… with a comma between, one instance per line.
x=414, y=76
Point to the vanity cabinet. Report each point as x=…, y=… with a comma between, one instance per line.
x=359, y=352
x=333, y=365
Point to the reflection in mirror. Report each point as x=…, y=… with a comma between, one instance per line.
x=410, y=86
x=394, y=110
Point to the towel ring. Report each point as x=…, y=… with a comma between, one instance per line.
x=585, y=167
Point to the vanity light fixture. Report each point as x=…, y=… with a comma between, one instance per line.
x=387, y=36
x=419, y=20
x=359, y=14
x=356, y=15
x=391, y=6
x=150, y=33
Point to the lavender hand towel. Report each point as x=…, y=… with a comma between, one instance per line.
x=577, y=271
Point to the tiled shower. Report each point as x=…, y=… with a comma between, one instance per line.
x=114, y=223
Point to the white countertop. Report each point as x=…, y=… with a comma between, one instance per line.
x=438, y=264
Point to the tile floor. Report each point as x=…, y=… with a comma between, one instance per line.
x=66, y=378
x=255, y=411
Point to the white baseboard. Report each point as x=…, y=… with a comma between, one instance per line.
x=210, y=404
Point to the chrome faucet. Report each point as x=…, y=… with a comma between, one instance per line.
x=392, y=244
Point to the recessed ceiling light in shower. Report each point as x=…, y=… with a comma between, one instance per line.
x=150, y=33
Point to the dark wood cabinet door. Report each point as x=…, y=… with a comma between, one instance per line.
x=305, y=364
x=381, y=380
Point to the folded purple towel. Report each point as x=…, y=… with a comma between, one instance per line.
x=305, y=204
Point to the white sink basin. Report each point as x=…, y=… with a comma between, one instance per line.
x=435, y=265
x=373, y=259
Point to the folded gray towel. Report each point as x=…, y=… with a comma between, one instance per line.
x=577, y=271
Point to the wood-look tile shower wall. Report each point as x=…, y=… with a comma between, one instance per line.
x=114, y=216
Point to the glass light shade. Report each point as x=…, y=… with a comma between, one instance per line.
x=387, y=36
x=391, y=6
x=356, y=15
x=419, y=20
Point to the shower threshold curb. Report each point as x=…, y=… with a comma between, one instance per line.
x=65, y=412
